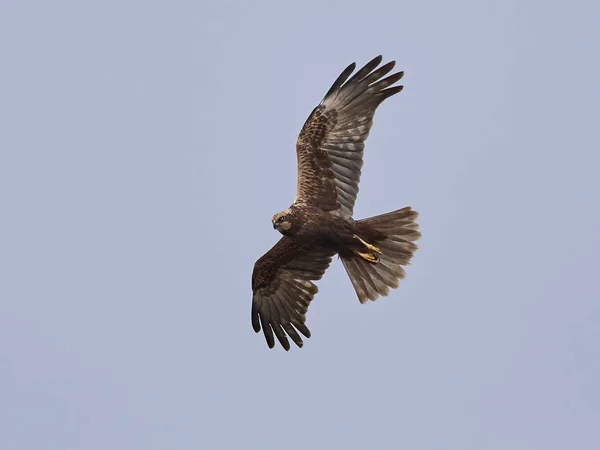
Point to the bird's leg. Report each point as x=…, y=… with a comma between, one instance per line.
x=366, y=244
x=371, y=257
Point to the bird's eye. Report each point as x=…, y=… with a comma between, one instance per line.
x=280, y=219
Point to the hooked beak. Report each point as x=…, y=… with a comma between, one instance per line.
x=274, y=225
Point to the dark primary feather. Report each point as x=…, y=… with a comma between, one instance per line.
x=282, y=289
x=340, y=79
x=331, y=144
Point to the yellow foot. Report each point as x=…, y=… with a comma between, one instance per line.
x=368, y=257
x=366, y=244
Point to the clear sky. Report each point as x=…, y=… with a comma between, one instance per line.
x=144, y=147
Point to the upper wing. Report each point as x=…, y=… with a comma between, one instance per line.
x=282, y=289
x=331, y=144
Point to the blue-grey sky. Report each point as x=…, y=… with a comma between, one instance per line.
x=144, y=147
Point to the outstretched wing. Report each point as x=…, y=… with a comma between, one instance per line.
x=331, y=144
x=282, y=289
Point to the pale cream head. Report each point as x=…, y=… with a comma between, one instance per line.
x=282, y=221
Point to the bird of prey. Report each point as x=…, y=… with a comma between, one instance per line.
x=319, y=223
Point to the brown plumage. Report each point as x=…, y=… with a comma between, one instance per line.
x=319, y=223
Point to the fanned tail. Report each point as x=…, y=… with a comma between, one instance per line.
x=394, y=234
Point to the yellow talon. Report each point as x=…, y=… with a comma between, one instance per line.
x=369, y=246
x=368, y=257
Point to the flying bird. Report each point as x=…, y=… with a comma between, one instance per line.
x=319, y=224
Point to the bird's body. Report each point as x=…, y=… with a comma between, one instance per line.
x=319, y=224
x=310, y=224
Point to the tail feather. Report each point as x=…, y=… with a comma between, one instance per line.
x=394, y=233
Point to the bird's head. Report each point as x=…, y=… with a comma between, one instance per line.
x=282, y=221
